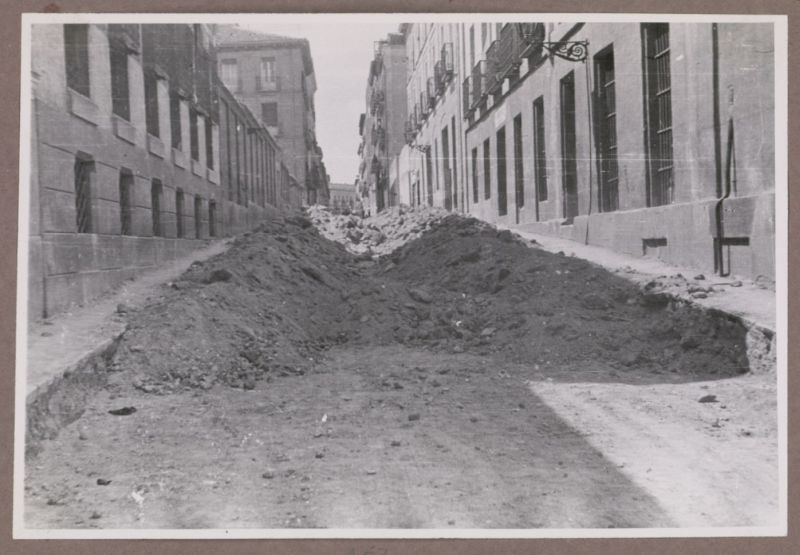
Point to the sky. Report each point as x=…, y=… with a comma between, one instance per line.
x=341, y=53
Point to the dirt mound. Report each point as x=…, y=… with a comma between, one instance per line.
x=494, y=293
x=280, y=296
x=379, y=234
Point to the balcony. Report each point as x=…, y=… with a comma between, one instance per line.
x=532, y=35
x=448, y=64
x=507, y=53
x=438, y=78
x=479, y=83
x=466, y=96
x=409, y=131
x=494, y=83
x=376, y=102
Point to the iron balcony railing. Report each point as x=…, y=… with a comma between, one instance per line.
x=438, y=78
x=466, y=96
x=431, y=92
x=448, y=64
x=409, y=131
x=479, y=83
x=532, y=35
x=493, y=81
x=508, y=50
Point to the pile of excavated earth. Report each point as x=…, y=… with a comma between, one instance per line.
x=282, y=295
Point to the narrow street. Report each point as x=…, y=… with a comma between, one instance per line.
x=463, y=379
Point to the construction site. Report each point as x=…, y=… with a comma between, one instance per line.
x=512, y=319
x=416, y=369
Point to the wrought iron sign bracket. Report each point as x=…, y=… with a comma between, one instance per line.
x=573, y=51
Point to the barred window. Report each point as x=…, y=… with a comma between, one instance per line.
x=658, y=101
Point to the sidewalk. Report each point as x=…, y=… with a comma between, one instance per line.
x=753, y=305
x=70, y=339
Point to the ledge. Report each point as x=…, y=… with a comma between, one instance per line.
x=197, y=168
x=179, y=158
x=123, y=129
x=213, y=176
x=83, y=107
x=155, y=146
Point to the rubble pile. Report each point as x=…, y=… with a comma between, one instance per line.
x=379, y=234
x=282, y=295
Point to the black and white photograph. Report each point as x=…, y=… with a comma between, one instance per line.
x=402, y=276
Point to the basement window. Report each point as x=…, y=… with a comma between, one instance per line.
x=198, y=222
x=156, y=190
x=179, y=213
x=212, y=218
x=83, y=200
x=125, y=205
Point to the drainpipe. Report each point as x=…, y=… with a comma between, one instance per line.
x=724, y=185
x=591, y=128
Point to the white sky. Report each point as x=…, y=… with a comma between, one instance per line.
x=341, y=53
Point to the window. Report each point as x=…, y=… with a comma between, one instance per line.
x=448, y=194
x=519, y=167
x=175, y=120
x=198, y=221
x=212, y=218
x=120, y=98
x=539, y=158
x=125, y=205
x=658, y=103
x=484, y=32
x=229, y=70
x=194, y=139
x=607, y=131
x=269, y=114
x=267, y=79
x=475, y=175
x=569, y=164
x=155, y=206
x=76, y=54
x=436, y=159
x=471, y=46
x=487, y=171
x=453, y=159
x=179, y=212
x=502, y=194
x=151, y=103
x=83, y=198
x=209, y=144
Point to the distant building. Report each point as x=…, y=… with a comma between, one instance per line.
x=274, y=77
x=382, y=126
x=343, y=197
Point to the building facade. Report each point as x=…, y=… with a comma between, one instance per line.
x=127, y=168
x=343, y=197
x=434, y=131
x=648, y=139
x=274, y=77
x=382, y=125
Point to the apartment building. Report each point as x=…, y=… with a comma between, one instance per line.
x=382, y=125
x=434, y=170
x=127, y=168
x=649, y=139
x=274, y=77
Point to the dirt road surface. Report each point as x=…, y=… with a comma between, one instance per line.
x=465, y=380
